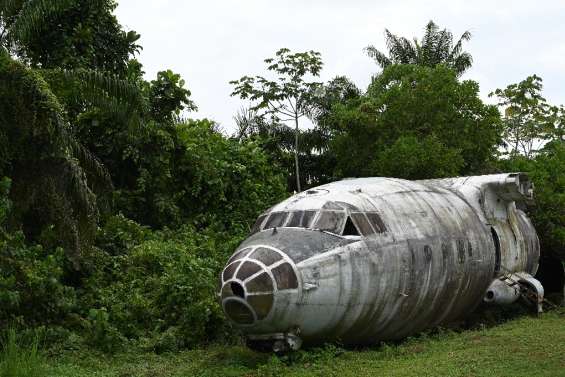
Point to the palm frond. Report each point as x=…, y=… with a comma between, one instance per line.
x=119, y=98
x=462, y=62
x=31, y=19
x=34, y=16
x=396, y=49
x=418, y=50
x=380, y=58
x=92, y=165
x=442, y=48
x=94, y=83
x=436, y=47
x=458, y=47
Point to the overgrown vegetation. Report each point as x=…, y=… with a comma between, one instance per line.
x=117, y=210
x=522, y=347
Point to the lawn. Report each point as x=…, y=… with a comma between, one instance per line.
x=526, y=346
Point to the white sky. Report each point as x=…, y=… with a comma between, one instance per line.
x=214, y=41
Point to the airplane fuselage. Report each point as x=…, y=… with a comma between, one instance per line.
x=372, y=259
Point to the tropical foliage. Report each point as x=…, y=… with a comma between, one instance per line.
x=118, y=210
x=87, y=35
x=45, y=162
x=423, y=114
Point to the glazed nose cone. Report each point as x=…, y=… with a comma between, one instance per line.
x=251, y=280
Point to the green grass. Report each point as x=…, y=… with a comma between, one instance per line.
x=526, y=346
x=17, y=360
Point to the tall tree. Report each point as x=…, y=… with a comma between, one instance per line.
x=45, y=161
x=287, y=97
x=527, y=116
x=414, y=122
x=436, y=47
x=55, y=177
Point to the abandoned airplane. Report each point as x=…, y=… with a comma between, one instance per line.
x=369, y=259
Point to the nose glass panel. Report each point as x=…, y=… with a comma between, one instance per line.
x=261, y=283
x=262, y=304
x=239, y=312
x=229, y=271
x=240, y=254
x=248, y=269
x=285, y=277
x=267, y=256
x=250, y=282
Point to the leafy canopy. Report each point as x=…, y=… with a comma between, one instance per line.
x=429, y=108
x=527, y=116
x=168, y=97
x=288, y=95
x=87, y=35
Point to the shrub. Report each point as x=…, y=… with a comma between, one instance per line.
x=160, y=290
x=31, y=290
x=31, y=287
x=548, y=213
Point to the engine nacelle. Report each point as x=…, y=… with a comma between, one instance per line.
x=502, y=291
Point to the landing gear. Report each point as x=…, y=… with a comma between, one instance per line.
x=279, y=343
x=532, y=292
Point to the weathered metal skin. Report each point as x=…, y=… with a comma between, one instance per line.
x=372, y=259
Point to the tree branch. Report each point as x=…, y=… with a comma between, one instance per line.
x=279, y=109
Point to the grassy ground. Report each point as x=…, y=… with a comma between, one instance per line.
x=526, y=346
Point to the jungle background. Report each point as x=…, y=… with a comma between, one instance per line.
x=118, y=210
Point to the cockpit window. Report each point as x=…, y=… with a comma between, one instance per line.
x=295, y=219
x=377, y=222
x=308, y=218
x=275, y=220
x=331, y=221
x=258, y=223
x=343, y=222
x=362, y=223
x=301, y=219
x=350, y=228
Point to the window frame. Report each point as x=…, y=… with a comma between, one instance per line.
x=286, y=214
x=360, y=228
x=339, y=231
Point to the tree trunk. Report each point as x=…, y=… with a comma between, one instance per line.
x=296, y=153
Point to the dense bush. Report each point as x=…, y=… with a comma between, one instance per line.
x=159, y=290
x=548, y=214
x=31, y=287
x=191, y=172
x=412, y=158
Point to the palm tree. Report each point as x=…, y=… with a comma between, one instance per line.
x=54, y=176
x=436, y=47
